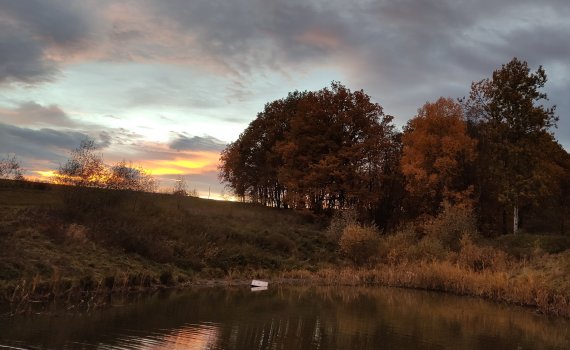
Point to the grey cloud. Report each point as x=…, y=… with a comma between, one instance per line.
x=29, y=28
x=395, y=43
x=402, y=52
x=196, y=143
x=538, y=45
x=21, y=58
x=559, y=97
x=61, y=22
x=32, y=113
x=240, y=36
x=47, y=144
x=105, y=139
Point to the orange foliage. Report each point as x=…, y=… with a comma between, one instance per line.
x=437, y=151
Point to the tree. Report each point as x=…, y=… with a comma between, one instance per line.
x=333, y=153
x=513, y=128
x=359, y=243
x=319, y=150
x=92, y=185
x=10, y=168
x=84, y=168
x=180, y=186
x=124, y=176
x=437, y=153
x=249, y=166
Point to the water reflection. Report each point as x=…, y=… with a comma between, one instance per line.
x=189, y=337
x=292, y=318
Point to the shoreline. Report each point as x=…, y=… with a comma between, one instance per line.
x=433, y=277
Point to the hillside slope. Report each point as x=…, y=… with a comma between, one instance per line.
x=60, y=240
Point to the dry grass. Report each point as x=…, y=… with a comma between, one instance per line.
x=144, y=240
x=529, y=289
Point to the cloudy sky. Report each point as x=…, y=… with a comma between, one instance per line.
x=167, y=83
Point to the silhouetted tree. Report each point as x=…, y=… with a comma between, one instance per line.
x=84, y=168
x=180, y=186
x=125, y=176
x=249, y=166
x=93, y=185
x=10, y=168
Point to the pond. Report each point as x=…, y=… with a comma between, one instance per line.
x=290, y=318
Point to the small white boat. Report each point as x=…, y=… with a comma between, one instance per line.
x=258, y=289
x=258, y=283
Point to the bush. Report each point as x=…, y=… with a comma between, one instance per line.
x=395, y=248
x=427, y=249
x=340, y=220
x=478, y=258
x=451, y=224
x=406, y=246
x=359, y=243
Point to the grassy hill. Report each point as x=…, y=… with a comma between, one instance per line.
x=57, y=240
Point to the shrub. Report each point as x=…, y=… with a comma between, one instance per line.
x=478, y=258
x=394, y=248
x=359, y=243
x=427, y=249
x=340, y=220
x=406, y=245
x=451, y=224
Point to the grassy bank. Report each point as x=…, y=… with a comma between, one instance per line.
x=58, y=246
x=525, y=286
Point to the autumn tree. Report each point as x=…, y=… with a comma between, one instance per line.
x=93, y=185
x=322, y=149
x=333, y=152
x=513, y=128
x=437, y=154
x=124, y=176
x=249, y=166
x=84, y=168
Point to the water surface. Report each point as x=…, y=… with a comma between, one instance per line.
x=290, y=318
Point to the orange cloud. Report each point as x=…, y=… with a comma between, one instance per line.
x=46, y=173
x=187, y=164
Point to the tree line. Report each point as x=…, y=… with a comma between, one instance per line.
x=492, y=152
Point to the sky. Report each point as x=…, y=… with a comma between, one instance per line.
x=166, y=84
